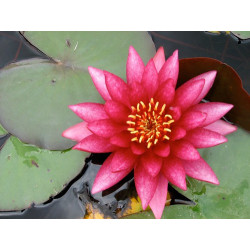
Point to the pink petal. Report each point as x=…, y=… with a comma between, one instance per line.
x=77, y=132
x=192, y=119
x=214, y=110
x=200, y=170
x=170, y=69
x=184, y=150
x=221, y=127
x=138, y=148
x=117, y=111
x=158, y=201
x=106, y=128
x=105, y=178
x=95, y=144
x=174, y=172
x=165, y=93
x=117, y=88
x=135, y=67
x=152, y=163
x=137, y=94
x=177, y=133
x=150, y=79
x=186, y=94
x=175, y=112
x=98, y=79
x=159, y=58
x=89, y=111
x=145, y=185
x=209, y=80
x=123, y=159
x=122, y=139
x=204, y=138
x=162, y=149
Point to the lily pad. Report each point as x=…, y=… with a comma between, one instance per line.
x=242, y=34
x=29, y=175
x=2, y=131
x=35, y=93
x=230, y=162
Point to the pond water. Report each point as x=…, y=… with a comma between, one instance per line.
x=70, y=203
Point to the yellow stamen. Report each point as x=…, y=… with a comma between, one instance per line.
x=169, y=122
x=131, y=129
x=156, y=106
x=134, y=132
x=149, y=107
x=143, y=105
x=138, y=107
x=130, y=122
x=156, y=140
x=134, y=139
x=162, y=109
x=149, y=145
x=133, y=108
x=141, y=138
x=165, y=137
x=167, y=129
x=169, y=116
x=152, y=101
x=138, y=116
x=132, y=116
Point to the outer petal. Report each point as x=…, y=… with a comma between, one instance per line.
x=209, y=80
x=89, y=111
x=177, y=133
x=105, y=178
x=135, y=67
x=170, y=69
x=77, y=132
x=106, y=128
x=145, y=185
x=175, y=112
x=117, y=88
x=138, y=148
x=184, y=150
x=192, y=119
x=158, y=201
x=165, y=93
x=121, y=140
x=95, y=144
x=98, y=78
x=159, y=58
x=200, y=170
x=174, y=172
x=214, y=111
x=162, y=149
x=152, y=163
x=204, y=138
x=150, y=79
x=221, y=127
x=117, y=111
x=186, y=94
x=123, y=159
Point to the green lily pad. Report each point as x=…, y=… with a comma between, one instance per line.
x=29, y=175
x=231, y=163
x=2, y=131
x=35, y=93
x=242, y=34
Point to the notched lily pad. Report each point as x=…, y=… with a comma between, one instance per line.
x=242, y=34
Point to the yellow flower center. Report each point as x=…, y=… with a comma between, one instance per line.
x=149, y=124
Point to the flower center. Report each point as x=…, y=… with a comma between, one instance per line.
x=149, y=124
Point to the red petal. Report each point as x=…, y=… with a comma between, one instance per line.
x=214, y=110
x=89, y=111
x=177, y=133
x=137, y=94
x=145, y=185
x=204, y=138
x=152, y=163
x=95, y=144
x=200, y=170
x=187, y=93
x=117, y=111
x=209, y=80
x=175, y=112
x=165, y=93
x=150, y=79
x=170, y=69
x=105, y=178
x=184, y=150
x=192, y=119
x=138, y=148
x=117, y=88
x=162, y=149
x=98, y=79
x=135, y=67
x=159, y=59
x=106, y=128
x=221, y=127
x=158, y=201
x=174, y=172
x=122, y=139
x=77, y=132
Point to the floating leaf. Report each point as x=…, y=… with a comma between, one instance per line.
x=242, y=34
x=227, y=86
x=230, y=162
x=29, y=175
x=35, y=93
x=2, y=131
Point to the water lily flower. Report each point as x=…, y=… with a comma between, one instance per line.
x=150, y=127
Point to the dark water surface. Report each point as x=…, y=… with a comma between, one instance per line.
x=70, y=203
